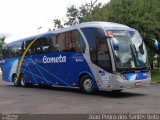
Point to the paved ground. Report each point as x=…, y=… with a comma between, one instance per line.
x=60, y=100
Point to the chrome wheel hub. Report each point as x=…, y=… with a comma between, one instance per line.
x=87, y=84
x=22, y=81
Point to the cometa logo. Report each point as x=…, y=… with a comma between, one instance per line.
x=59, y=59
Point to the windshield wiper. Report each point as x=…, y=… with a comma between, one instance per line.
x=133, y=52
x=138, y=55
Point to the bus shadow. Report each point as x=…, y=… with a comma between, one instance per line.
x=122, y=94
x=108, y=94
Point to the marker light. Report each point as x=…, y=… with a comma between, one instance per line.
x=110, y=33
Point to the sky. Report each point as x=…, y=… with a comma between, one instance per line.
x=22, y=18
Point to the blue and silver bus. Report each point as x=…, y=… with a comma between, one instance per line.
x=90, y=56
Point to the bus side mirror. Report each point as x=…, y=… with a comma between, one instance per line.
x=152, y=43
x=115, y=44
x=156, y=44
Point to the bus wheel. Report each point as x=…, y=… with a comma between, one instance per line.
x=86, y=84
x=16, y=81
x=22, y=81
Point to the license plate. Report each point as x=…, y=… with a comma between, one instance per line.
x=138, y=83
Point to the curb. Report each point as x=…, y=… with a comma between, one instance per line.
x=155, y=82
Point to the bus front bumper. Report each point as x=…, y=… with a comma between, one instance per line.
x=132, y=84
x=118, y=83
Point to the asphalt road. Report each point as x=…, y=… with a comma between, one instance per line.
x=38, y=100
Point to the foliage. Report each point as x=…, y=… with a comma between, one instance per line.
x=139, y=14
x=143, y=15
x=1, y=43
x=155, y=76
x=57, y=23
x=77, y=15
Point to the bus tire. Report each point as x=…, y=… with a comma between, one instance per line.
x=16, y=81
x=86, y=84
x=22, y=80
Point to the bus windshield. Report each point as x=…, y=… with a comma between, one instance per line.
x=132, y=53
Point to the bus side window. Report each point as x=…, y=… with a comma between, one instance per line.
x=38, y=46
x=8, y=51
x=4, y=52
x=18, y=48
x=52, y=46
x=12, y=50
x=30, y=49
x=80, y=42
x=70, y=41
x=46, y=44
x=35, y=47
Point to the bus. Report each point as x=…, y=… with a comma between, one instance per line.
x=90, y=56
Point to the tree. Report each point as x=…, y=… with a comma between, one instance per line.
x=1, y=43
x=143, y=15
x=57, y=24
x=72, y=15
x=77, y=15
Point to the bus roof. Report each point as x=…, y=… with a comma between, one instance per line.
x=105, y=25
x=33, y=37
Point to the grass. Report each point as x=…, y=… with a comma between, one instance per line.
x=155, y=75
